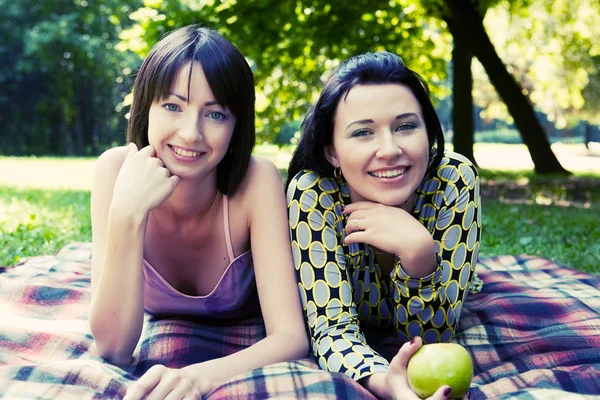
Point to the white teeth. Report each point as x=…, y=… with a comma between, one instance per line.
x=185, y=153
x=388, y=174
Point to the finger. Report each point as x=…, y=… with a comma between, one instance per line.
x=357, y=221
x=359, y=205
x=400, y=360
x=148, y=151
x=145, y=384
x=159, y=162
x=185, y=390
x=360, y=214
x=164, y=172
x=131, y=149
x=443, y=393
x=358, y=237
x=354, y=225
x=169, y=381
x=174, y=179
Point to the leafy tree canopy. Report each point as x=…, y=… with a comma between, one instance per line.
x=552, y=50
x=291, y=44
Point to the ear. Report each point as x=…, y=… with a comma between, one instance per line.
x=331, y=156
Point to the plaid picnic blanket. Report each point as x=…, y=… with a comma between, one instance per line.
x=534, y=333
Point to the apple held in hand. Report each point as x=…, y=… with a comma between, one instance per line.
x=437, y=364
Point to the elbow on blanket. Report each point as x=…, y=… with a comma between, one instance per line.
x=110, y=344
x=114, y=354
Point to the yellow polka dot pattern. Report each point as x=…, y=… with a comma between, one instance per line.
x=341, y=287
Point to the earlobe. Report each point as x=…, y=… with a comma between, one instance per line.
x=331, y=156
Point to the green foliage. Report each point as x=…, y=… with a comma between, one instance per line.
x=68, y=65
x=508, y=136
x=62, y=77
x=551, y=49
x=291, y=44
x=35, y=222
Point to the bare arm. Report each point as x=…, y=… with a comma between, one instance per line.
x=273, y=266
x=280, y=304
x=118, y=225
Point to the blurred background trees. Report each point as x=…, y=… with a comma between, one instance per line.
x=61, y=77
x=69, y=65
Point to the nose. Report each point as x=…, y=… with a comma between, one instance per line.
x=190, y=129
x=387, y=146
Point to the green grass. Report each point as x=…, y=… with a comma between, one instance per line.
x=35, y=222
x=553, y=217
x=568, y=235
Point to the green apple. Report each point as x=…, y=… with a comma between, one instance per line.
x=438, y=364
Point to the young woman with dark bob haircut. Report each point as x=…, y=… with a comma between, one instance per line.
x=385, y=224
x=175, y=211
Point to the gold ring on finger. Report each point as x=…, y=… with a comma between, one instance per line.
x=356, y=224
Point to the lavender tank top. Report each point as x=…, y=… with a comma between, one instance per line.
x=234, y=295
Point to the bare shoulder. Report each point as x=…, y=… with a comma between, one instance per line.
x=112, y=158
x=107, y=168
x=262, y=178
x=261, y=183
x=262, y=167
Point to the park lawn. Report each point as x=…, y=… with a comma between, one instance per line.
x=552, y=217
x=568, y=235
x=41, y=221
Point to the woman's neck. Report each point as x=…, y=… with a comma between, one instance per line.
x=191, y=199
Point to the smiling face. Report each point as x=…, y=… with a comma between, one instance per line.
x=191, y=135
x=380, y=143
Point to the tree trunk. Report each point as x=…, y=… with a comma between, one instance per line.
x=462, y=92
x=587, y=134
x=464, y=14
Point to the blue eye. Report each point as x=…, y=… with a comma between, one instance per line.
x=218, y=116
x=406, y=126
x=361, y=133
x=171, y=107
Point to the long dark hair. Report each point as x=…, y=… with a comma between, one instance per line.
x=368, y=68
x=229, y=77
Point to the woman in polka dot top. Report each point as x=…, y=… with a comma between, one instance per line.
x=385, y=225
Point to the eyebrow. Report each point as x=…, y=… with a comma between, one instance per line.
x=370, y=121
x=185, y=99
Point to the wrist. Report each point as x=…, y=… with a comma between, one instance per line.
x=127, y=216
x=199, y=378
x=376, y=384
x=421, y=260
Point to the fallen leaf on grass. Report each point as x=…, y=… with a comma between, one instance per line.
x=524, y=241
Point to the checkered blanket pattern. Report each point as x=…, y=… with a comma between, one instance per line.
x=534, y=333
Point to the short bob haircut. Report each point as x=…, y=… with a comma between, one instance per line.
x=364, y=69
x=229, y=77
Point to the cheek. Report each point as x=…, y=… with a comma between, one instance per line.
x=422, y=147
x=222, y=139
x=153, y=127
x=348, y=154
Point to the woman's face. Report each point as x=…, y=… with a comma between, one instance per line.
x=380, y=143
x=190, y=135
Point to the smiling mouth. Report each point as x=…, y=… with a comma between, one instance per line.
x=185, y=153
x=392, y=173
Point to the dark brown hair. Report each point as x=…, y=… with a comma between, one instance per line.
x=229, y=77
x=363, y=69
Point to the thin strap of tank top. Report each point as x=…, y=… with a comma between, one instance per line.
x=226, y=226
